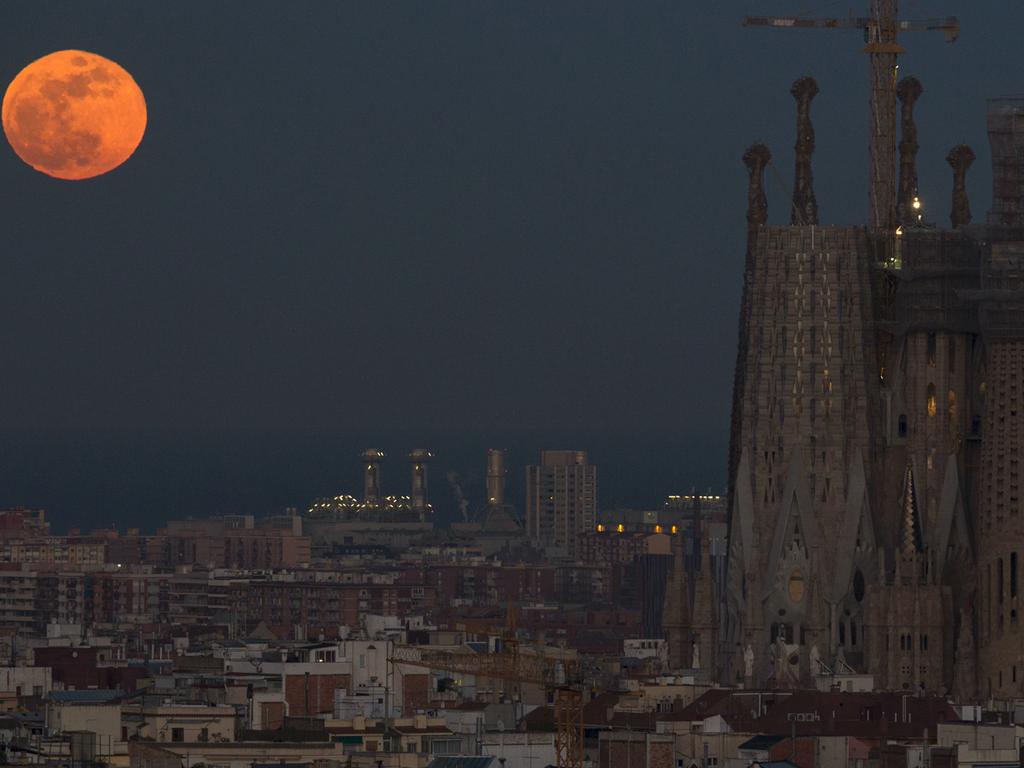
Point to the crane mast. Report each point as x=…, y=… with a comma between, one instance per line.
x=557, y=674
x=883, y=50
x=881, y=29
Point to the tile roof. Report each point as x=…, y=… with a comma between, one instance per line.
x=462, y=762
x=820, y=713
x=761, y=742
x=89, y=696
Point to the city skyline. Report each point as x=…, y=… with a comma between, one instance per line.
x=445, y=200
x=468, y=384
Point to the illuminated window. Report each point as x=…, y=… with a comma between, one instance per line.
x=933, y=407
x=620, y=528
x=796, y=586
x=600, y=528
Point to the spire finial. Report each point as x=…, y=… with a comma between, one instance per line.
x=960, y=158
x=805, y=206
x=756, y=158
x=909, y=91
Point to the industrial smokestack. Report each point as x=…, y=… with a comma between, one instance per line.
x=418, y=460
x=372, y=459
x=496, y=474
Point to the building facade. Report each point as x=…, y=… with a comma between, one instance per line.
x=561, y=500
x=874, y=482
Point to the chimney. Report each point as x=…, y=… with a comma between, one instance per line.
x=418, y=460
x=372, y=459
x=805, y=206
x=496, y=474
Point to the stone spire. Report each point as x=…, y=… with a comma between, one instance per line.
x=910, y=538
x=675, y=620
x=965, y=685
x=703, y=622
x=756, y=158
x=960, y=158
x=909, y=91
x=805, y=207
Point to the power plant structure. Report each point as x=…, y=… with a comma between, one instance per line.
x=419, y=459
x=497, y=514
x=496, y=474
x=496, y=526
x=875, y=498
x=375, y=506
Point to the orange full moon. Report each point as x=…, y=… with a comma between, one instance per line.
x=74, y=115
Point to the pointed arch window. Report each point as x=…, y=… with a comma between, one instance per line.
x=1013, y=574
x=858, y=584
x=933, y=406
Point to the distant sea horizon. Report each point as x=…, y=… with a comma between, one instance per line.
x=127, y=480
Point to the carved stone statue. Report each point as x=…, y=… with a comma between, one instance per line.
x=779, y=659
x=815, y=657
x=696, y=654
x=805, y=206
x=748, y=662
x=960, y=158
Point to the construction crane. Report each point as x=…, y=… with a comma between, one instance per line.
x=881, y=29
x=562, y=675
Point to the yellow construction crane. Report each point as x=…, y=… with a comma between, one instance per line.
x=562, y=675
x=881, y=29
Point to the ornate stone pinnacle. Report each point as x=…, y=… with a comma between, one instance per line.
x=805, y=207
x=756, y=158
x=960, y=158
x=909, y=91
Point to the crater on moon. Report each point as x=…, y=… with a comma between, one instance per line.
x=74, y=115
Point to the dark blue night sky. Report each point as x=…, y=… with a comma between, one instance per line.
x=402, y=224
